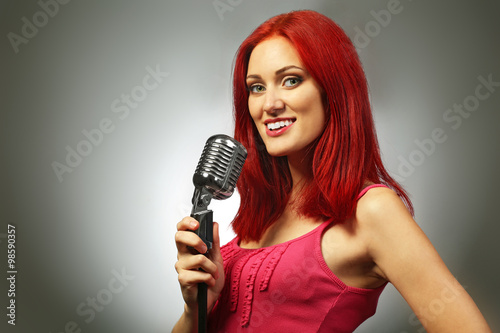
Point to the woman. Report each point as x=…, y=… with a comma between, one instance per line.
x=322, y=227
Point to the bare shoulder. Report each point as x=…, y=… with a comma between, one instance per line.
x=403, y=255
x=381, y=207
x=386, y=226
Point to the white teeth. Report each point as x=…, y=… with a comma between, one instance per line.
x=279, y=124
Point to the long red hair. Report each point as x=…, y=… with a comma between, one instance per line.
x=346, y=154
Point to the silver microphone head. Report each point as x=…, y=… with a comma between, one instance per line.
x=220, y=166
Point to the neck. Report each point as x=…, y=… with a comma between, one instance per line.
x=300, y=166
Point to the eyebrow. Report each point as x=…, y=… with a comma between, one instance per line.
x=278, y=72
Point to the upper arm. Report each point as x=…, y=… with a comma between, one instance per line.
x=404, y=256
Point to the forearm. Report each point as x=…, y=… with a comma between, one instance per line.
x=453, y=310
x=188, y=322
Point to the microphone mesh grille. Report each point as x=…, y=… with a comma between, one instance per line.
x=220, y=165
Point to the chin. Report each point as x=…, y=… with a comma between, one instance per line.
x=278, y=154
x=277, y=151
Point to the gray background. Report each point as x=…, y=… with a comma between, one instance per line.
x=118, y=208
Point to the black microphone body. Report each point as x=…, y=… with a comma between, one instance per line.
x=215, y=177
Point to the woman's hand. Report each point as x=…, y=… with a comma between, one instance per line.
x=190, y=260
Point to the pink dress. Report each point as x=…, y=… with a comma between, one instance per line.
x=288, y=287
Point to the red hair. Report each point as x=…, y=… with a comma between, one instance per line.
x=346, y=154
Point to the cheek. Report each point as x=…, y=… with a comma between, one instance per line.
x=256, y=115
x=314, y=109
x=316, y=121
x=252, y=108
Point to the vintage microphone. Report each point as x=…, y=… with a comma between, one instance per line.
x=215, y=177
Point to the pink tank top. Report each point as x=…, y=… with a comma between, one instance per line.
x=288, y=287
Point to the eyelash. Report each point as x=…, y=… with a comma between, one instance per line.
x=297, y=78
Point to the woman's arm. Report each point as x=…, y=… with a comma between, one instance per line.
x=189, y=262
x=405, y=257
x=188, y=322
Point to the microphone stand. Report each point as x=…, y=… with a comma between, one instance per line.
x=201, y=198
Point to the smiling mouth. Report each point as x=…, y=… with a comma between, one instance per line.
x=275, y=126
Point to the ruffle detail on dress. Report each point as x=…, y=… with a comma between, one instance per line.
x=235, y=281
x=271, y=265
x=228, y=251
x=261, y=254
x=235, y=261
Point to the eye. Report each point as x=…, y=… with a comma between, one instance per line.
x=292, y=81
x=256, y=88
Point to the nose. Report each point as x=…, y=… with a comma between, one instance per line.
x=273, y=102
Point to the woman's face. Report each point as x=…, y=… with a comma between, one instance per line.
x=284, y=100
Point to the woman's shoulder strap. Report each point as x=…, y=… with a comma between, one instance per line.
x=366, y=189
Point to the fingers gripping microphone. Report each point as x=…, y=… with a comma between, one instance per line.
x=215, y=177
